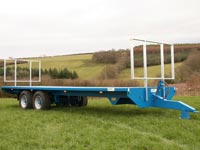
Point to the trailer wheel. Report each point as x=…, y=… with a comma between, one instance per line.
x=25, y=100
x=41, y=100
x=83, y=102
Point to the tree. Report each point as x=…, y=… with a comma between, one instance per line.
x=1, y=71
x=189, y=67
x=54, y=73
x=74, y=75
x=109, y=72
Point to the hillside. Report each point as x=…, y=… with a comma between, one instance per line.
x=153, y=71
x=80, y=63
x=89, y=69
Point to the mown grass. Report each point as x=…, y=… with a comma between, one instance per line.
x=98, y=126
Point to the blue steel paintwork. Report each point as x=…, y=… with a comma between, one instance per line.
x=160, y=97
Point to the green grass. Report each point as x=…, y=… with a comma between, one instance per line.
x=98, y=126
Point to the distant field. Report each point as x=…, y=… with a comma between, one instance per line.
x=99, y=126
x=87, y=69
x=80, y=63
x=153, y=71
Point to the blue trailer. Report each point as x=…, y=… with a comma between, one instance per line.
x=41, y=97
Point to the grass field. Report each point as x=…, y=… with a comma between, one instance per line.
x=98, y=126
x=153, y=71
x=89, y=70
x=82, y=64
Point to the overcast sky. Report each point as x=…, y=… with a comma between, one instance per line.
x=55, y=27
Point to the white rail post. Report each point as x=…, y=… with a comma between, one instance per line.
x=4, y=70
x=172, y=62
x=30, y=68
x=162, y=61
x=15, y=72
x=145, y=67
x=132, y=62
x=162, y=65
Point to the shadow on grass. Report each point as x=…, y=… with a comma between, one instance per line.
x=128, y=110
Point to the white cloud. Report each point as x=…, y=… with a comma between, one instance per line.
x=53, y=27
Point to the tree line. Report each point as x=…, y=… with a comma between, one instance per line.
x=60, y=74
x=23, y=72
x=123, y=56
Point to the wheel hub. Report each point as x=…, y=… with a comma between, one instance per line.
x=38, y=102
x=24, y=101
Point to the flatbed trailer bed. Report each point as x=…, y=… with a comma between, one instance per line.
x=41, y=97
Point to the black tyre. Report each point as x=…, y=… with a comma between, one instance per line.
x=83, y=101
x=25, y=100
x=75, y=100
x=41, y=100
